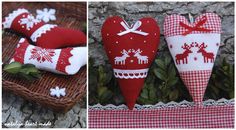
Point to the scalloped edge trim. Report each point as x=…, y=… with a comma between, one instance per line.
x=161, y=105
x=41, y=30
x=64, y=60
x=10, y=18
x=19, y=54
x=130, y=74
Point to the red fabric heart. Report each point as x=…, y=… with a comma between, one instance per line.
x=131, y=51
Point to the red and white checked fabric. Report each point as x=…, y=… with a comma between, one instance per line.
x=190, y=117
x=194, y=47
x=196, y=82
x=173, y=28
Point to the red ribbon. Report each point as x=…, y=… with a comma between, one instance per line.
x=197, y=27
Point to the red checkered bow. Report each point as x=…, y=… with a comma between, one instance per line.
x=197, y=27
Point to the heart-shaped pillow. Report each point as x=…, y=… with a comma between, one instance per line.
x=194, y=47
x=131, y=50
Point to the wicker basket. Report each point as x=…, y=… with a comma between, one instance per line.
x=71, y=15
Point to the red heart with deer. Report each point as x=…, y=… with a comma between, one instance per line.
x=194, y=47
x=131, y=50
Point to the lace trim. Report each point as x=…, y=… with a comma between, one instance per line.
x=161, y=105
x=130, y=74
x=63, y=60
x=9, y=19
x=43, y=29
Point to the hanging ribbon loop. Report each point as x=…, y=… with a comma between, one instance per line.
x=197, y=27
x=133, y=29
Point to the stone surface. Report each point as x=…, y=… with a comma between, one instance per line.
x=132, y=11
x=19, y=113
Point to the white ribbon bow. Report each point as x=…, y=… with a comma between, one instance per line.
x=133, y=29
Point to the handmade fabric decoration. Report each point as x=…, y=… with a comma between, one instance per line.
x=43, y=35
x=66, y=61
x=194, y=47
x=58, y=92
x=131, y=50
x=46, y=14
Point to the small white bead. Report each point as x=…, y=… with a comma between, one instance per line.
x=117, y=42
x=131, y=38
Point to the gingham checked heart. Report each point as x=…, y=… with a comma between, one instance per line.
x=131, y=51
x=194, y=47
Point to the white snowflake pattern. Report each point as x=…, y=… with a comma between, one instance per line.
x=29, y=21
x=42, y=54
x=46, y=14
x=58, y=92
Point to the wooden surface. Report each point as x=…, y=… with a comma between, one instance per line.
x=70, y=15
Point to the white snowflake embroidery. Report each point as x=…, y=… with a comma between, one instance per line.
x=57, y=92
x=29, y=21
x=46, y=14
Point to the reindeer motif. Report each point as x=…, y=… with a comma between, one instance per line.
x=206, y=55
x=121, y=59
x=141, y=59
x=184, y=56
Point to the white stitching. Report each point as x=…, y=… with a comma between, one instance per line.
x=130, y=74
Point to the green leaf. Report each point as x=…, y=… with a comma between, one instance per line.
x=144, y=93
x=231, y=94
x=160, y=64
x=174, y=95
x=171, y=70
x=106, y=96
x=101, y=77
x=167, y=60
x=26, y=76
x=28, y=66
x=36, y=75
x=160, y=74
x=13, y=67
x=172, y=82
x=152, y=93
x=101, y=91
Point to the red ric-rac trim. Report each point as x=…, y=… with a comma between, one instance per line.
x=63, y=60
x=20, y=52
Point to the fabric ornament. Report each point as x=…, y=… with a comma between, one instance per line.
x=46, y=14
x=58, y=92
x=66, y=61
x=42, y=34
x=194, y=47
x=131, y=50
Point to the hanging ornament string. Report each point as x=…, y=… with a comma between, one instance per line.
x=133, y=29
x=197, y=27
